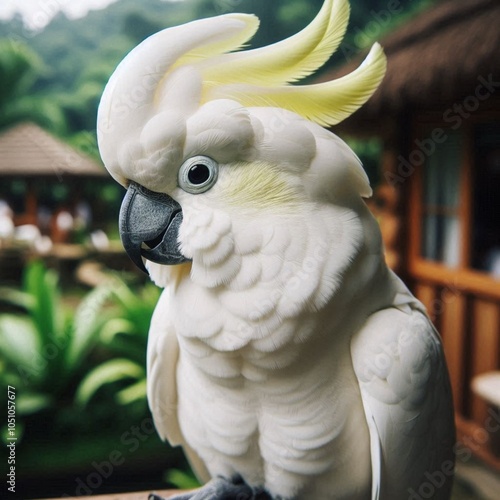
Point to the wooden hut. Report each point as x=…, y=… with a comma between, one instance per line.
x=41, y=177
x=437, y=113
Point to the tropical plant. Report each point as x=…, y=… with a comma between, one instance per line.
x=46, y=349
x=124, y=336
x=44, y=346
x=59, y=357
x=182, y=479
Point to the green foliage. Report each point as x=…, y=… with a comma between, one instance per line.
x=20, y=68
x=369, y=151
x=47, y=349
x=124, y=336
x=58, y=81
x=44, y=348
x=106, y=373
x=72, y=369
x=181, y=479
x=372, y=21
x=86, y=142
x=138, y=27
x=296, y=13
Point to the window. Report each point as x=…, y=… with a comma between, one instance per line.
x=458, y=201
x=485, y=250
x=441, y=201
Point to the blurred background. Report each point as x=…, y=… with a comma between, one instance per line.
x=74, y=314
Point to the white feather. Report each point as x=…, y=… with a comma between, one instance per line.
x=286, y=352
x=398, y=359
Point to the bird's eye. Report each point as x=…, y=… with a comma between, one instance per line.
x=198, y=174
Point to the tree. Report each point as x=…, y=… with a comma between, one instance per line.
x=20, y=68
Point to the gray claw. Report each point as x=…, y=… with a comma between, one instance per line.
x=221, y=489
x=187, y=496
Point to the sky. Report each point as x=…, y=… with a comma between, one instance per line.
x=37, y=13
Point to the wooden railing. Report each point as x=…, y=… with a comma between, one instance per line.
x=465, y=307
x=140, y=495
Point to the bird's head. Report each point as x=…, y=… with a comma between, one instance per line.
x=209, y=141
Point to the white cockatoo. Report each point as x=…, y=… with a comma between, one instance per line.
x=284, y=356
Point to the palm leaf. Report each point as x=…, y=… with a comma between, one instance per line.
x=16, y=298
x=135, y=392
x=41, y=284
x=88, y=321
x=107, y=373
x=19, y=344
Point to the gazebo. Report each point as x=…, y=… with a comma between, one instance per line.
x=45, y=182
x=51, y=205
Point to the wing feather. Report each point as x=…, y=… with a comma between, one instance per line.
x=163, y=356
x=406, y=394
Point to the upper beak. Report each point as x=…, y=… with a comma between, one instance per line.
x=149, y=226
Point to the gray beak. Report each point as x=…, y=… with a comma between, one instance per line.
x=149, y=226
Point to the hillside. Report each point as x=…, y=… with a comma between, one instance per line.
x=79, y=55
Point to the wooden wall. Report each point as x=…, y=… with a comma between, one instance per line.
x=469, y=323
x=463, y=304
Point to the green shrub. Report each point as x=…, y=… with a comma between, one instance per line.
x=45, y=347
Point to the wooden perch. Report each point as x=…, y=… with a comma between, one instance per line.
x=138, y=495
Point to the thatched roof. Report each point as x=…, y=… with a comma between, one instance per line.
x=28, y=150
x=435, y=59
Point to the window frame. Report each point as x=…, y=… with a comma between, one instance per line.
x=462, y=276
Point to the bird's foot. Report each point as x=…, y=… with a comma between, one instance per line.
x=221, y=489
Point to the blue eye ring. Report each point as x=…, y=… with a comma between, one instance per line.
x=198, y=174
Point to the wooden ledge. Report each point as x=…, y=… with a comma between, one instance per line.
x=138, y=495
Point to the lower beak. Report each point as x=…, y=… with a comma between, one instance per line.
x=149, y=226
